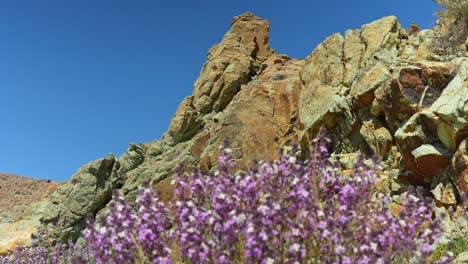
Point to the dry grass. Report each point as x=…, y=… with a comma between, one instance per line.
x=452, y=29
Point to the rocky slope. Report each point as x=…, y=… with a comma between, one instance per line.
x=377, y=89
x=22, y=201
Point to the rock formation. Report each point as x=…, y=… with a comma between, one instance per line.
x=377, y=89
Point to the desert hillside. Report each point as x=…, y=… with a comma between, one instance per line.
x=17, y=193
x=22, y=202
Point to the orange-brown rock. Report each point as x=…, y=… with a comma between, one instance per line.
x=263, y=115
x=414, y=88
x=232, y=63
x=459, y=167
x=413, y=29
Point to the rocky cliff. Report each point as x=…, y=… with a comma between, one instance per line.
x=377, y=89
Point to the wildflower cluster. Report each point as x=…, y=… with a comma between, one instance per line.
x=40, y=253
x=124, y=235
x=284, y=211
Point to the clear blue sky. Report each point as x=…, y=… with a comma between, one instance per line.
x=79, y=79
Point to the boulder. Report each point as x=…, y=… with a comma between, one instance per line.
x=430, y=159
x=362, y=89
x=88, y=190
x=428, y=139
x=444, y=194
x=419, y=146
x=451, y=109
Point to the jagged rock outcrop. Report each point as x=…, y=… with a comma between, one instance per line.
x=375, y=89
x=246, y=93
x=231, y=63
x=348, y=70
x=88, y=190
x=381, y=98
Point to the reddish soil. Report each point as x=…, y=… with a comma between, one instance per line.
x=18, y=192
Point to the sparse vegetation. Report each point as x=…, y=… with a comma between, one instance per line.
x=452, y=28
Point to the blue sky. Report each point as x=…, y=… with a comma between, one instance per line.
x=79, y=79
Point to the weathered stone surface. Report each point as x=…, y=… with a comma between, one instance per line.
x=329, y=54
x=411, y=136
x=263, y=116
x=442, y=123
x=452, y=109
x=362, y=90
x=459, y=167
x=322, y=82
x=445, y=194
x=232, y=62
x=186, y=121
x=381, y=35
x=430, y=159
x=88, y=190
x=353, y=52
x=20, y=232
x=413, y=88
x=258, y=119
x=377, y=137
x=347, y=71
x=461, y=259
x=413, y=29
x=131, y=158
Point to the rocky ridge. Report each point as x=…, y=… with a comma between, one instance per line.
x=385, y=94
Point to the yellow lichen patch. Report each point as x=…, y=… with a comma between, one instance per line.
x=14, y=234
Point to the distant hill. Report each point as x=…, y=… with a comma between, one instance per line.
x=18, y=192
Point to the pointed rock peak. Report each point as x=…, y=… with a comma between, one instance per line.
x=231, y=63
x=247, y=16
x=248, y=35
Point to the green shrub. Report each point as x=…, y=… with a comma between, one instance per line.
x=439, y=251
x=455, y=245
